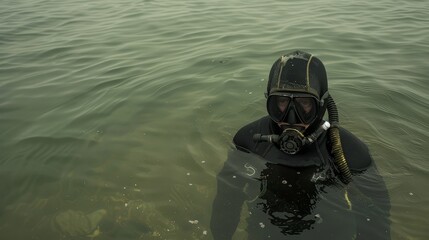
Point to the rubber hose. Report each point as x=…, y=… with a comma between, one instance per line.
x=337, y=149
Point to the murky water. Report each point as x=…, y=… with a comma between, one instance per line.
x=130, y=106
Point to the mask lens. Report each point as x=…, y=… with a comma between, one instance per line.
x=277, y=107
x=306, y=108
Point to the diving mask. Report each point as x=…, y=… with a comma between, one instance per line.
x=293, y=108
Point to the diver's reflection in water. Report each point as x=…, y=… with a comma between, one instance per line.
x=302, y=203
x=287, y=200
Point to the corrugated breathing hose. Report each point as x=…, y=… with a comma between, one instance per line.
x=334, y=135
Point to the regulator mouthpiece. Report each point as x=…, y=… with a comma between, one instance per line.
x=291, y=140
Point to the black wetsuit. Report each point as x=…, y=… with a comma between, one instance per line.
x=299, y=196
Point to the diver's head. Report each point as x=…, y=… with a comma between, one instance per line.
x=297, y=91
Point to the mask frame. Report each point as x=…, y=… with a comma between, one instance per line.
x=294, y=104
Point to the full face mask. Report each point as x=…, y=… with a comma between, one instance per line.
x=296, y=99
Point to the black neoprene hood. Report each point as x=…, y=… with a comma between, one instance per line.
x=302, y=72
x=298, y=72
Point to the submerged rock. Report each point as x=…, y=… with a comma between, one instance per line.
x=76, y=223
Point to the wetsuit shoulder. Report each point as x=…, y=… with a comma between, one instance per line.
x=356, y=152
x=243, y=139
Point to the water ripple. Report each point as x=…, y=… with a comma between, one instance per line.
x=114, y=93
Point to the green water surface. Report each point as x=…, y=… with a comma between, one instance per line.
x=130, y=106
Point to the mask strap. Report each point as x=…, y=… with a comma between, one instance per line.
x=322, y=99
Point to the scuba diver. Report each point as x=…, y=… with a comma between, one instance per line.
x=301, y=177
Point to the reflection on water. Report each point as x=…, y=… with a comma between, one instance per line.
x=298, y=202
x=130, y=107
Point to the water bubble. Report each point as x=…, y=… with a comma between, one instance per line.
x=193, y=221
x=262, y=225
x=319, y=218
